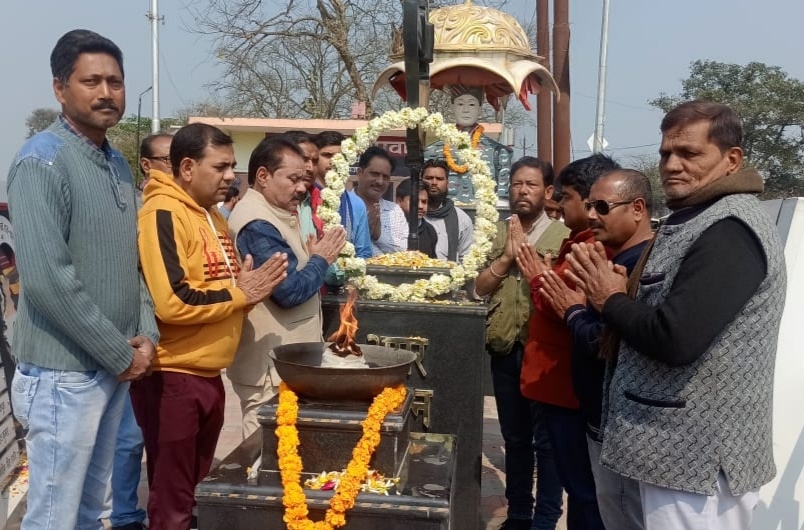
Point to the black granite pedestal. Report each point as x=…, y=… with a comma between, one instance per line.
x=446, y=380
x=329, y=431
x=227, y=500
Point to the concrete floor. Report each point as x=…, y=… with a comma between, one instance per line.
x=493, y=504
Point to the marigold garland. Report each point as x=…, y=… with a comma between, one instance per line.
x=477, y=135
x=290, y=463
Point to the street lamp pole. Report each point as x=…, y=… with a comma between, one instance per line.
x=139, y=114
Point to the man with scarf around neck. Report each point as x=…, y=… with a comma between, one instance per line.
x=547, y=367
x=618, y=210
x=510, y=307
x=688, y=407
x=453, y=226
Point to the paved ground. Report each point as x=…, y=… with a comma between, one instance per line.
x=492, y=507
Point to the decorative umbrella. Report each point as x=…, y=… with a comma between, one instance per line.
x=479, y=47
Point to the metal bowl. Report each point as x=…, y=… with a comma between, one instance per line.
x=299, y=366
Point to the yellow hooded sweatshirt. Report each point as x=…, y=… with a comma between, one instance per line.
x=190, y=271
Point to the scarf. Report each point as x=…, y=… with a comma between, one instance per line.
x=450, y=216
x=746, y=180
x=315, y=202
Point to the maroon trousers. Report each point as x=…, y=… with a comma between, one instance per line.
x=181, y=416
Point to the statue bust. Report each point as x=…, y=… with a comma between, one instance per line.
x=466, y=106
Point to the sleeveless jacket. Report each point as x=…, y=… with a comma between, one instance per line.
x=677, y=427
x=269, y=325
x=510, y=306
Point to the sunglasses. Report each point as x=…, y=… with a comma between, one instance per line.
x=163, y=159
x=604, y=207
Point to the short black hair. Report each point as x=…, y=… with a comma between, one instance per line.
x=300, y=137
x=328, y=138
x=372, y=152
x=72, y=44
x=582, y=173
x=231, y=193
x=191, y=140
x=268, y=154
x=436, y=162
x=405, y=188
x=634, y=185
x=146, y=146
x=546, y=168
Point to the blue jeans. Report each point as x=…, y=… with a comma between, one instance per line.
x=126, y=470
x=567, y=431
x=72, y=419
x=522, y=429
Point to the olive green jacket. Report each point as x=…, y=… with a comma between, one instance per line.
x=510, y=304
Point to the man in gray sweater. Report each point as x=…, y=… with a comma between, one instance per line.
x=85, y=324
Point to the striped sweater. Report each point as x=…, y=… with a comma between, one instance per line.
x=75, y=235
x=190, y=267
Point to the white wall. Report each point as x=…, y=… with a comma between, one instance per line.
x=780, y=505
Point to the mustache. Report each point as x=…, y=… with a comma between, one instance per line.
x=105, y=105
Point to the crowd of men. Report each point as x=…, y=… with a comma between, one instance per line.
x=632, y=367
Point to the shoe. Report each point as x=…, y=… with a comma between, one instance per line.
x=515, y=524
x=131, y=526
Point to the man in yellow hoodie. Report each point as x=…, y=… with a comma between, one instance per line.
x=201, y=295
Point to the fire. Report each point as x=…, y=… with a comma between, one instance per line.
x=343, y=340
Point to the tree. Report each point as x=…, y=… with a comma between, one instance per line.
x=300, y=59
x=648, y=165
x=39, y=120
x=123, y=137
x=771, y=105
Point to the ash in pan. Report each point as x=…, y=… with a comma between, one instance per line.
x=332, y=360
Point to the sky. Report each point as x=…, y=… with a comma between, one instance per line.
x=651, y=44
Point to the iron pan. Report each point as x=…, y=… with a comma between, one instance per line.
x=299, y=367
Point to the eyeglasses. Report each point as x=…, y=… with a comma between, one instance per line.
x=163, y=159
x=604, y=207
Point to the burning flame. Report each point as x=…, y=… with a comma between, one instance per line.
x=343, y=340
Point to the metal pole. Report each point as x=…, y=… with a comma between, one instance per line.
x=155, y=18
x=597, y=143
x=544, y=101
x=561, y=71
x=139, y=114
x=418, y=38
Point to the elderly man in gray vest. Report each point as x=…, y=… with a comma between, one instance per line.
x=688, y=408
x=265, y=222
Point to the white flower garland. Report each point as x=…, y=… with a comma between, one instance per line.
x=486, y=214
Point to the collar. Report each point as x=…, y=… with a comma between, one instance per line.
x=67, y=124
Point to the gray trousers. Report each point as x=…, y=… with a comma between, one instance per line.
x=618, y=497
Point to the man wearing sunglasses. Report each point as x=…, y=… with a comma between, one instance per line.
x=618, y=210
x=689, y=403
x=546, y=368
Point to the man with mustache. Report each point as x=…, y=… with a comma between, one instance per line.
x=506, y=331
x=618, y=210
x=453, y=225
x=201, y=294
x=308, y=208
x=688, y=409
x=266, y=222
x=352, y=209
x=85, y=325
x=387, y=224
x=547, y=363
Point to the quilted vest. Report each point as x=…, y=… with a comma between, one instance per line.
x=678, y=427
